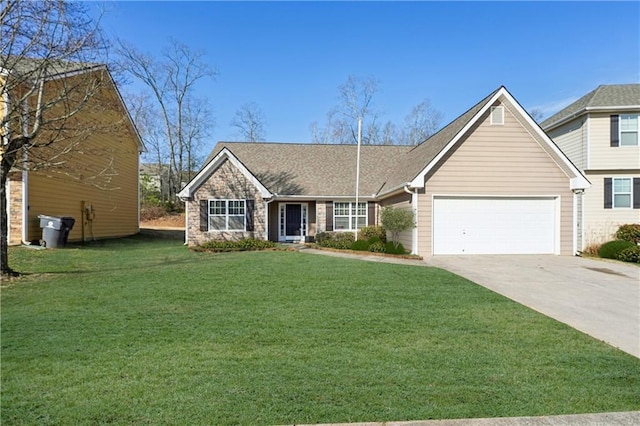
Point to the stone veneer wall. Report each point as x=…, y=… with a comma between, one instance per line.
x=15, y=211
x=321, y=216
x=226, y=182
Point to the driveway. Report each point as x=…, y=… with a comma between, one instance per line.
x=597, y=297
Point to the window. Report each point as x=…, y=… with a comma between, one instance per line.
x=227, y=215
x=628, y=130
x=497, y=115
x=345, y=216
x=621, y=193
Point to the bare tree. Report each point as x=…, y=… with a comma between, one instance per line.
x=423, y=121
x=171, y=81
x=355, y=101
x=250, y=122
x=48, y=74
x=537, y=114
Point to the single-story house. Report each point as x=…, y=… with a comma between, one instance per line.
x=491, y=181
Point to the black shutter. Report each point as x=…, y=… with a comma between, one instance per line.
x=615, y=140
x=329, y=226
x=608, y=193
x=636, y=193
x=371, y=220
x=204, y=215
x=250, y=204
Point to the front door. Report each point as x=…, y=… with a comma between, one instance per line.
x=293, y=221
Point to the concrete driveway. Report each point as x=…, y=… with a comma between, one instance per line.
x=597, y=297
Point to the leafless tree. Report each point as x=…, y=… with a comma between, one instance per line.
x=185, y=120
x=356, y=101
x=537, y=114
x=423, y=121
x=250, y=122
x=49, y=51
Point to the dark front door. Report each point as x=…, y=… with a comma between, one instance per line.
x=293, y=214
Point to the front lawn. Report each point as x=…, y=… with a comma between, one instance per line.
x=136, y=331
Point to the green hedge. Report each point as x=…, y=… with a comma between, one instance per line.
x=369, y=232
x=245, y=244
x=611, y=249
x=336, y=240
x=629, y=232
x=631, y=254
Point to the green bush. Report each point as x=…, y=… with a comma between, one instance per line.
x=377, y=247
x=392, y=249
x=629, y=232
x=360, y=245
x=631, y=254
x=336, y=240
x=611, y=249
x=245, y=244
x=369, y=232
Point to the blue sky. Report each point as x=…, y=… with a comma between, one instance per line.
x=290, y=57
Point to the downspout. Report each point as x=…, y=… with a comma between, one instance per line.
x=186, y=222
x=577, y=198
x=414, y=207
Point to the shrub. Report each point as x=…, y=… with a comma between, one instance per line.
x=377, y=247
x=369, y=232
x=611, y=249
x=337, y=240
x=245, y=244
x=360, y=245
x=629, y=232
x=396, y=221
x=391, y=248
x=631, y=254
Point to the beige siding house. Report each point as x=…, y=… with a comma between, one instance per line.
x=489, y=182
x=599, y=134
x=90, y=174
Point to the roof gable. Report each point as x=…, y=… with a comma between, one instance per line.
x=611, y=97
x=448, y=137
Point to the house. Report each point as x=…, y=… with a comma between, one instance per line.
x=489, y=182
x=89, y=171
x=599, y=134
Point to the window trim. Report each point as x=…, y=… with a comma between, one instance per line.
x=351, y=216
x=636, y=131
x=226, y=214
x=614, y=193
x=491, y=115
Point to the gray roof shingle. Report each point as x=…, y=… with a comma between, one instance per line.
x=604, y=96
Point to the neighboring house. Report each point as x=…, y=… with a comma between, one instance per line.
x=599, y=134
x=92, y=173
x=489, y=182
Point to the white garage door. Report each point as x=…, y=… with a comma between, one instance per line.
x=500, y=225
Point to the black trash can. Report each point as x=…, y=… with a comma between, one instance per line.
x=55, y=230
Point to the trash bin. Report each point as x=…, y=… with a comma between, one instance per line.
x=55, y=230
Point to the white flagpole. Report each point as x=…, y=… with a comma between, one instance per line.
x=358, y=172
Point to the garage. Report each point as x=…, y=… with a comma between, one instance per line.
x=495, y=225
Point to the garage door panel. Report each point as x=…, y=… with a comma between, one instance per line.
x=470, y=225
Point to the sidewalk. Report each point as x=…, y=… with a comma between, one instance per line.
x=629, y=418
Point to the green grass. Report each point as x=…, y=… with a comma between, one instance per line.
x=136, y=331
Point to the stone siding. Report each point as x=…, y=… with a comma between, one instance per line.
x=15, y=212
x=227, y=182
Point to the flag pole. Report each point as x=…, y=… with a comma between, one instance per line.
x=358, y=173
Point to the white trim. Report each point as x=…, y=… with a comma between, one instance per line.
x=227, y=215
x=587, y=110
x=25, y=202
x=588, y=140
x=204, y=174
x=613, y=192
x=304, y=218
x=575, y=223
x=186, y=224
x=350, y=216
x=637, y=130
x=577, y=182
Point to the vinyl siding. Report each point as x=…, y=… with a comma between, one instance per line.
x=602, y=156
x=571, y=139
x=401, y=201
x=97, y=164
x=497, y=160
x=599, y=223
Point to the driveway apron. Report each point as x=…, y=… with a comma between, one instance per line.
x=597, y=297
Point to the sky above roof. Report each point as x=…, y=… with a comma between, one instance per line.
x=290, y=57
